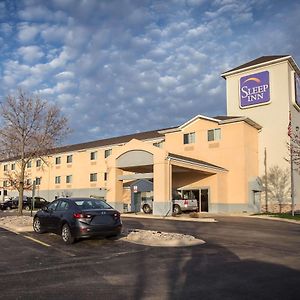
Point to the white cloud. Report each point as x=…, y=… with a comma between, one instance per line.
x=27, y=33
x=31, y=53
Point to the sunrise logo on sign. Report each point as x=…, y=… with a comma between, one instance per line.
x=254, y=89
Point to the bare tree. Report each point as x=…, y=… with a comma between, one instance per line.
x=30, y=128
x=294, y=148
x=278, y=188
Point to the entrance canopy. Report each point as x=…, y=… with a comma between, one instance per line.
x=181, y=163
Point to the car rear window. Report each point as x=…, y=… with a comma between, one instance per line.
x=92, y=204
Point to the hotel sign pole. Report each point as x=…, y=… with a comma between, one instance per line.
x=292, y=182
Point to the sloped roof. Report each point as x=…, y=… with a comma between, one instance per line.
x=259, y=60
x=112, y=141
x=196, y=161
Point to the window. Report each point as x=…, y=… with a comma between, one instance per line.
x=105, y=176
x=94, y=155
x=5, y=167
x=28, y=181
x=5, y=183
x=69, y=158
x=93, y=177
x=38, y=163
x=13, y=167
x=28, y=165
x=57, y=160
x=53, y=205
x=107, y=153
x=63, y=205
x=189, y=138
x=57, y=179
x=38, y=180
x=214, y=134
x=159, y=144
x=69, y=179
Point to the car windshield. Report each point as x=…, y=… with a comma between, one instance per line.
x=92, y=204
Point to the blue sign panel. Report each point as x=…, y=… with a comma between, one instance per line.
x=255, y=89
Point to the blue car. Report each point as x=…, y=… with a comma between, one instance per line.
x=75, y=218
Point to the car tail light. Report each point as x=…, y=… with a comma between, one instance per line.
x=186, y=203
x=116, y=216
x=81, y=216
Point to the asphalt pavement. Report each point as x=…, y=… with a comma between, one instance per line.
x=242, y=258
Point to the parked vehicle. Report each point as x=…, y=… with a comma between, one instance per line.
x=75, y=218
x=9, y=204
x=178, y=205
x=39, y=202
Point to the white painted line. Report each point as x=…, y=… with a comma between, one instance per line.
x=37, y=241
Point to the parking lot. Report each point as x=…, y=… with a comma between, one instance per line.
x=242, y=259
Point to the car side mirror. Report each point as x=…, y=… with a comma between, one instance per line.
x=45, y=208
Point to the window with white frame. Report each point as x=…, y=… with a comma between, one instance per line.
x=93, y=177
x=214, y=134
x=69, y=159
x=5, y=183
x=58, y=160
x=38, y=180
x=28, y=165
x=5, y=167
x=159, y=144
x=13, y=166
x=38, y=162
x=69, y=178
x=189, y=138
x=107, y=153
x=94, y=155
x=57, y=179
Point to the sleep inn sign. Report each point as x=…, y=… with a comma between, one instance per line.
x=254, y=89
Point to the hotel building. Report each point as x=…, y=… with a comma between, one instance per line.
x=219, y=160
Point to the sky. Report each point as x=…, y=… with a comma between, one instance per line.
x=118, y=67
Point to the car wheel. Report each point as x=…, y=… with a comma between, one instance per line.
x=176, y=209
x=147, y=209
x=37, y=227
x=27, y=207
x=67, y=235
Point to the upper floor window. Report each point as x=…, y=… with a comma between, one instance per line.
x=214, y=134
x=38, y=163
x=94, y=155
x=38, y=180
x=69, y=179
x=93, y=177
x=159, y=144
x=107, y=152
x=28, y=181
x=5, y=183
x=57, y=179
x=28, y=165
x=189, y=138
x=69, y=158
x=58, y=160
x=105, y=176
x=13, y=166
x=5, y=167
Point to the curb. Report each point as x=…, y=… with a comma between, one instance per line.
x=275, y=219
x=203, y=220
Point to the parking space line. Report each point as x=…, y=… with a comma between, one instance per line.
x=37, y=241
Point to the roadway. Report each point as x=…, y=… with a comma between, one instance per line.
x=243, y=258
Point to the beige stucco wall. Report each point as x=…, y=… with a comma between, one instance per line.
x=273, y=117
